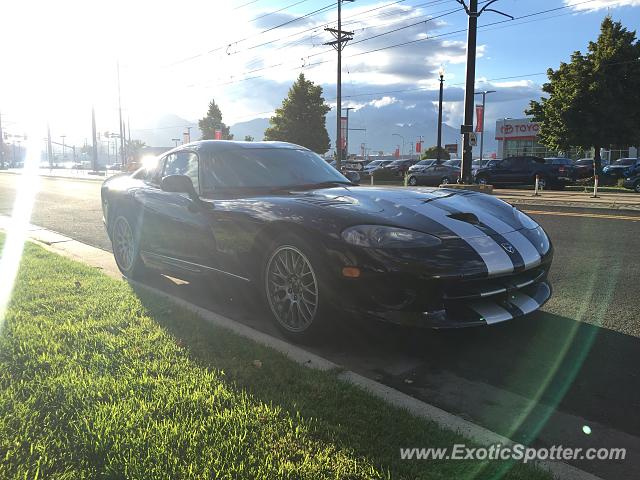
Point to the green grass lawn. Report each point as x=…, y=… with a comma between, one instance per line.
x=100, y=381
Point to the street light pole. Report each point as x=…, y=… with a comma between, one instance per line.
x=466, y=129
x=63, y=147
x=484, y=102
x=439, y=147
x=346, y=140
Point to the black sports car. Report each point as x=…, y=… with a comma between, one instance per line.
x=278, y=216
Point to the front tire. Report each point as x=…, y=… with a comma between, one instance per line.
x=636, y=186
x=481, y=180
x=413, y=181
x=293, y=289
x=125, y=240
x=445, y=181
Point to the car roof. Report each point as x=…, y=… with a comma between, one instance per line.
x=220, y=145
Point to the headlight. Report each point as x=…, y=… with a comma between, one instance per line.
x=377, y=236
x=525, y=220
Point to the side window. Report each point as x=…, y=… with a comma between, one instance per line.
x=183, y=163
x=507, y=163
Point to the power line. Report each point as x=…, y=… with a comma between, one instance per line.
x=401, y=44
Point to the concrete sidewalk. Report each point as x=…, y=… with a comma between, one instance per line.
x=606, y=200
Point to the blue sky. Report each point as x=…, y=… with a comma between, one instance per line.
x=176, y=56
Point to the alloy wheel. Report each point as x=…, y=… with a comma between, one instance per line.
x=292, y=288
x=413, y=181
x=637, y=187
x=123, y=243
x=445, y=181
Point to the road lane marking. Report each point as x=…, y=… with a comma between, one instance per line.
x=588, y=215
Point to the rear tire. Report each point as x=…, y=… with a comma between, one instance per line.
x=295, y=289
x=636, y=186
x=125, y=240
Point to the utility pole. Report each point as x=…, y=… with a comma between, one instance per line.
x=1, y=145
x=63, y=147
x=439, y=146
x=484, y=103
x=122, y=157
x=49, y=147
x=466, y=129
x=346, y=141
x=94, y=151
x=341, y=39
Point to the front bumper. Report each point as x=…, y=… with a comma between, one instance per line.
x=459, y=300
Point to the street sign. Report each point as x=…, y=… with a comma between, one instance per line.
x=451, y=148
x=473, y=139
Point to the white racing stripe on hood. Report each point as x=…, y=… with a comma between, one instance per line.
x=495, y=258
x=524, y=247
x=491, y=312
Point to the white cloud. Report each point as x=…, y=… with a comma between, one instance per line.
x=383, y=102
x=600, y=4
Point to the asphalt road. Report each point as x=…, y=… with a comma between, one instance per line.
x=539, y=379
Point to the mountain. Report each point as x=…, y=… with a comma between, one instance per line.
x=378, y=136
x=165, y=128
x=254, y=128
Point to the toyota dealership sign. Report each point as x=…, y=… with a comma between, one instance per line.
x=514, y=129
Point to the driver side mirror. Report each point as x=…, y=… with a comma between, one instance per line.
x=179, y=184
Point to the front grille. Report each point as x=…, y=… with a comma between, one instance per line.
x=490, y=287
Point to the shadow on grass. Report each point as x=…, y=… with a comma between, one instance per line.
x=556, y=361
x=337, y=413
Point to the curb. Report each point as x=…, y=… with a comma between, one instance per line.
x=102, y=259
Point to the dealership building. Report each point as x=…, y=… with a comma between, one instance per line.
x=519, y=136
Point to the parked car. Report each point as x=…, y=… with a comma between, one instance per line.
x=583, y=168
x=620, y=168
x=478, y=164
x=523, y=171
x=400, y=167
x=421, y=165
x=277, y=218
x=563, y=167
x=375, y=165
x=436, y=174
x=633, y=180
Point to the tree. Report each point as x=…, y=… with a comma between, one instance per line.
x=594, y=100
x=301, y=118
x=132, y=148
x=212, y=122
x=248, y=138
x=432, y=152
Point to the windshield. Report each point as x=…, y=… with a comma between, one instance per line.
x=452, y=163
x=266, y=168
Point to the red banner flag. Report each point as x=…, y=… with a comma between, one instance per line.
x=218, y=135
x=419, y=147
x=397, y=152
x=479, y=118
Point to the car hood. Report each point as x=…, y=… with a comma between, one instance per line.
x=442, y=212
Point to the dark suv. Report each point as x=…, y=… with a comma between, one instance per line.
x=523, y=171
